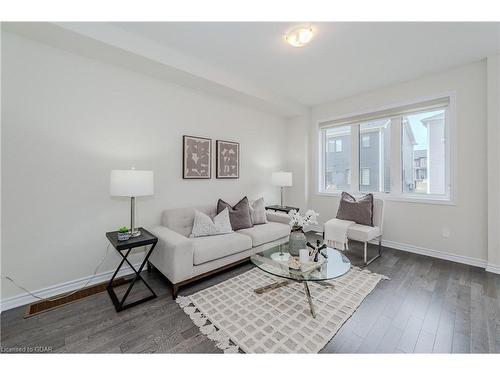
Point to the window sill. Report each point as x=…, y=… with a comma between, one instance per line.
x=394, y=198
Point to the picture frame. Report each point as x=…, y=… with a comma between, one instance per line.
x=227, y=165
x=196, y=158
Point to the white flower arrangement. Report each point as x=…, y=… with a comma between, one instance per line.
x=299, y=221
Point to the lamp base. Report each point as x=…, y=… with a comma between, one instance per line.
x=135, y=233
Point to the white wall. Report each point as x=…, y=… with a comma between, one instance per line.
x=493, y=120
x=67, y=121
x=419, y=226
x=297, y=135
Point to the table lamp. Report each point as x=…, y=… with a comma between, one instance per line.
x=131, y=183
x=282, y=179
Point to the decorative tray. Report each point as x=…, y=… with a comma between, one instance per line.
x=295, y=264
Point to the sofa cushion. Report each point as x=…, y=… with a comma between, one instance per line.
x=362, y=233
x=261, y=234
x=181, y=220
x=210, y=248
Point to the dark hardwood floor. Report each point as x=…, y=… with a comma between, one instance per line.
x=428, y=306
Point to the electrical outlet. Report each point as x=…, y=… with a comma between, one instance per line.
x=445, y=232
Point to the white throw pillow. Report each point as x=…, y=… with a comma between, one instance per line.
x=204, y=226
x=258, y=211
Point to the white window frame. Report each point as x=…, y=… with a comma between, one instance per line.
x=396, y=193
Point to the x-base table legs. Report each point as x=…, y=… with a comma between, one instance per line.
x=279, y=284
x=120, y=305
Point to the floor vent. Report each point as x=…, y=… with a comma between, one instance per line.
x=55, y=302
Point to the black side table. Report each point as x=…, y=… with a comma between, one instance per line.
x=285, y=209
x=124, y=248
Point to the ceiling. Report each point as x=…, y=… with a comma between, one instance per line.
x=342, y=60
x=250, y=63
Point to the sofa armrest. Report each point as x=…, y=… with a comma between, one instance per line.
x=174, y=254
x=278, y=217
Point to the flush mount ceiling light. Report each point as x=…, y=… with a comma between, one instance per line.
x=299, y=36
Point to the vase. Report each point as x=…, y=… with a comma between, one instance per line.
x=123, y=236
x=297, y=242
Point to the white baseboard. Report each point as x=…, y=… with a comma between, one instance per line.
x=435, y=253
x=25, y=298
x=493, y=268
x=432, y=253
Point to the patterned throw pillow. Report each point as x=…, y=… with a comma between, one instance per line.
x=258, y=212
x=239, y=214
x=359, y=211
x=204, y=226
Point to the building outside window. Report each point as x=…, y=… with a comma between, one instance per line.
x=365, y=176
x=338, y=159
x=424, y=153
x=375, y=156
x=365, y=141
x=338, y=145
x=419, y=164
x=348, y=176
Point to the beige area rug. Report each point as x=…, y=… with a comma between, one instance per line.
x=279, y=321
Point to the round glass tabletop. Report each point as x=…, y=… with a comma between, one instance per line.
x=275, y=261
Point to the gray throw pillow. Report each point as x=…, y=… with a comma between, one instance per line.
x=239, y=214
x=359, y=211
x=258, y=212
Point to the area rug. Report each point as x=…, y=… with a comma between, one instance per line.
x=278, y=321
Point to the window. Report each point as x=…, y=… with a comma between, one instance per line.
x=424, y=153
x=402, y=152
x=365, y=141
x=331, y=145
x=335, y=161
x=375, y=157
x=348, y=176
x=338, y=145
x=365, y=176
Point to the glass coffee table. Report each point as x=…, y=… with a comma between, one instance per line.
x=275, y=262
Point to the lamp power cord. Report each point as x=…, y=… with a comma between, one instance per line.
x=66, y=294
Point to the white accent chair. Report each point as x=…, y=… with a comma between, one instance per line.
x=366, y=233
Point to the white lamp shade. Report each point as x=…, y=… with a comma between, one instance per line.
x=282, y=178
x=131, y=183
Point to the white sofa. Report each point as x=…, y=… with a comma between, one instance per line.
x=183, y=259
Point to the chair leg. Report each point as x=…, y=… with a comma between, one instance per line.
x=376, y=256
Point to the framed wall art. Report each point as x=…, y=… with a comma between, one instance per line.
x=228, y=159
x=196, y=157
